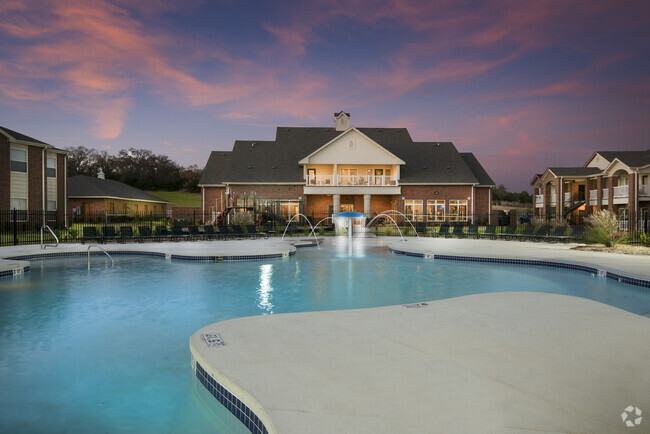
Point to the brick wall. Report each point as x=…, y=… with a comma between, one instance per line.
x=35, y=177
x=5, y=173
x=212, y=198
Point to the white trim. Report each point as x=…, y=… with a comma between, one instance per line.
x=265, y=183
x=211, y=185
x=390, y=154
x=430, y=183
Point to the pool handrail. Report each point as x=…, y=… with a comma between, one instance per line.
x=43, y=246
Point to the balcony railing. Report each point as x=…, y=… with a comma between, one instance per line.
x=593, y=197
x=539, y=200
x=567, y=198
x=352, y=180
x=621, y=191
x=644, y=190
x=605, y=194
x=553, y=200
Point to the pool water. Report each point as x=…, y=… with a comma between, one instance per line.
x=108, y=350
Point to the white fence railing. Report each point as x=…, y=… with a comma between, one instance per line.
x=644, y=190
x=621, y=191
x=593, y=197
x=355, y=180
x=539, y=200
x=567, y=198
x=553, y=198
x=605, y=194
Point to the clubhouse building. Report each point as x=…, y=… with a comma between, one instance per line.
x=320, y=171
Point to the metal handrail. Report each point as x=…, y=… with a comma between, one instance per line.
x=102, y=249
x=43, y=246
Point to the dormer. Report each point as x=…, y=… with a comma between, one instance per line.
x=342, y=121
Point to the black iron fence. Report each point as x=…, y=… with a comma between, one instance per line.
x=24, y=227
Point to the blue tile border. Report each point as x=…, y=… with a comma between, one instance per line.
x=233, y=404
x=530, y=262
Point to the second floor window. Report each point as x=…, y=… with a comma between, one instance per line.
x=18, y=160
x=51, y=167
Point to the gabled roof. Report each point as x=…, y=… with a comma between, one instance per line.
x=255, y=161
x=479, y=172
x=15, y=136
x=93, y=187
x=629, y=158
x=577, y=172
x=21, y=137
x=350, y=131
x=218, y=163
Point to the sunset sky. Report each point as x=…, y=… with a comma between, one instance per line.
x=522, y=84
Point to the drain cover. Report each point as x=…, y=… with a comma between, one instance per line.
x=415, y=305
x=213, y=340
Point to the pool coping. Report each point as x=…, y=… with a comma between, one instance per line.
x=14, y=261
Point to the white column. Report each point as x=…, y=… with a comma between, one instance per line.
x=337, y=203
x=366, y=204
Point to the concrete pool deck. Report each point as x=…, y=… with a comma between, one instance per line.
x=499, y=362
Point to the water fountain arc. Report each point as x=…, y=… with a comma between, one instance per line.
x=391, y=219
x=308, y=222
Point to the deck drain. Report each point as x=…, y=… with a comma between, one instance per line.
x=213, y=340
x=412, y=305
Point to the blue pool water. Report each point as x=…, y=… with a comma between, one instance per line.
x=107, y=350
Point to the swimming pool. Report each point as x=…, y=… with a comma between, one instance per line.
x=108, y=350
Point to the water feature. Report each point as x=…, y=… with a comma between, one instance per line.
x=349, y=216
x=308, y=222
x=385, y=214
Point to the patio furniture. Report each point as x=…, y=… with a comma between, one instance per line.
x=421, y=228
x=224, y=232
x=194, y=233
x=162, y=233
x=490, y=232
x=268, y=228
x=251, y=231
x=542, y=233
x=144, y=233
x=472, y=231
x=178, y=233
x=443, y=230
x=209, y=232
x=509, y=232
x=557, y=234
x=126, y=233
x=575, y=235
x=459, y=230
x=90, y=233
x=527, y=233
x=108, y=233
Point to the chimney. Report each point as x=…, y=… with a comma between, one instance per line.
x=342, y=121
x=100, y=175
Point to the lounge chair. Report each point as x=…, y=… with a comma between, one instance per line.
x=108, y=234
x=443, y=230
x=224, y=232
x=89, y=234
x=575, y=235
x=162, y=233
x=144, y=233
x=194, y=232
x=421, y=228
x=509, y=232
x=459, y=230
x=268, y=229
x=126, y=233
x=490, y=232
x=178, y=233
x=542, y=233
x=237, y=231
x=557, y=234
x=472, y=231
x=251, y=231
x=527, y=233
x=209, y=232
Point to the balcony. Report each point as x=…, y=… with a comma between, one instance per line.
x=539, y=201
x=567, y=199
x=352, y=180
x=644, y=190
x=553, y=200
x=621, y=194
x=352, y=184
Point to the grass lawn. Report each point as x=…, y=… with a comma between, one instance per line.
x=179, y=198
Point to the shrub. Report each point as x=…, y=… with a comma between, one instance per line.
x=242, y=218
x=603, y=228
x=645, y=239
x=388, y=232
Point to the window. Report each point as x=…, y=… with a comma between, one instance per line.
x=351, y=144
x=51, y=167
x=436, y=210
x=20, y=205
x=458, y=210
x=413, y=209
x=51, y=210
x=18, y=160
